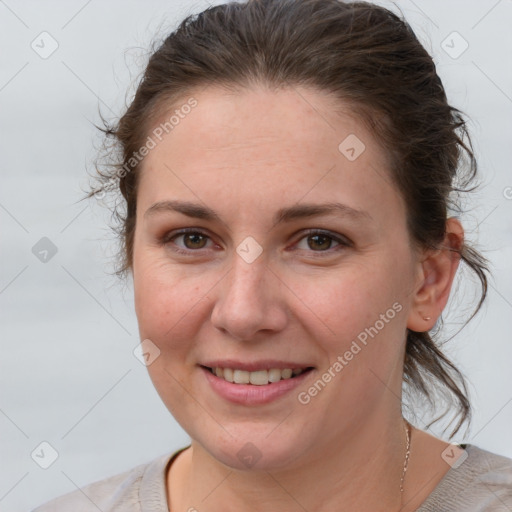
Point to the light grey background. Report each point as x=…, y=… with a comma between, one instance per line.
x=68, y=374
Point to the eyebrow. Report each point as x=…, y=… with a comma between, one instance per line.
x=287, y=214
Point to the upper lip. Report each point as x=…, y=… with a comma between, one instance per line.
x=265, y=364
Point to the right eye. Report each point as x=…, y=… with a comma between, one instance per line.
x=192, y=240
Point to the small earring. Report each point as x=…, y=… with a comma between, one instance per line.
x=426, y=318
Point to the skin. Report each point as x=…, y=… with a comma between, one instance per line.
x=246, y=154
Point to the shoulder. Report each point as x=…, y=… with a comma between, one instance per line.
x=481, y=482
x=138, y=489
x=104, y=494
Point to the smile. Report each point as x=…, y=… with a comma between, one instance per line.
x=257, y=378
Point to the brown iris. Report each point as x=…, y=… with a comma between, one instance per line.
x=327, y=241
x=198, y=241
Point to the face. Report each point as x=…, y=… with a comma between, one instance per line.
x=242, y=261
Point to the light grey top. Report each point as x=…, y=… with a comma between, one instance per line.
x=483, y=482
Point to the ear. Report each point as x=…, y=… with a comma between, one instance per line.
x=436, y=270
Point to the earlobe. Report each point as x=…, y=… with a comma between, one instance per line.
x=437, y=270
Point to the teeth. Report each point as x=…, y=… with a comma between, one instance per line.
x=286, y=374
x=274, y=375
x=257, y=378
x=241, y=377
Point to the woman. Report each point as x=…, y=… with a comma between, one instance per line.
x=287, y=167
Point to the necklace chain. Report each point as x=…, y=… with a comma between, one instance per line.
x=407, y=453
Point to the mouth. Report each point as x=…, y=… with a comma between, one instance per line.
x=258, y=377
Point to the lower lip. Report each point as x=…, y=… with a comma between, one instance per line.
x=250, y=394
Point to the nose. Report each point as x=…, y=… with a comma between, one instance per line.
x=250, y=300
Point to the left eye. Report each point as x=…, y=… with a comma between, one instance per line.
x=319, y=241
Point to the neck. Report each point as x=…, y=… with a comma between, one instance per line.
x=360, y=470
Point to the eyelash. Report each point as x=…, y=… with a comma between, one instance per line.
x=342, y=241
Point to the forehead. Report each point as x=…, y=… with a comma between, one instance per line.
x=237, y=119
x=258, y=142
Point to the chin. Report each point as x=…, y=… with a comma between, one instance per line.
x=253, y=453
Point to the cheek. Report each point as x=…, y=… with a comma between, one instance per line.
x=170, y=300
x=157, y=292
x=366, y=321
x=355, y=297
x=364, y=308
x=161, y=304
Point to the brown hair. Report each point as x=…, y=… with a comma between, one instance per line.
x=364, y=55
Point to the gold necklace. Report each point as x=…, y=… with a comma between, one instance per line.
x=407, y=428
